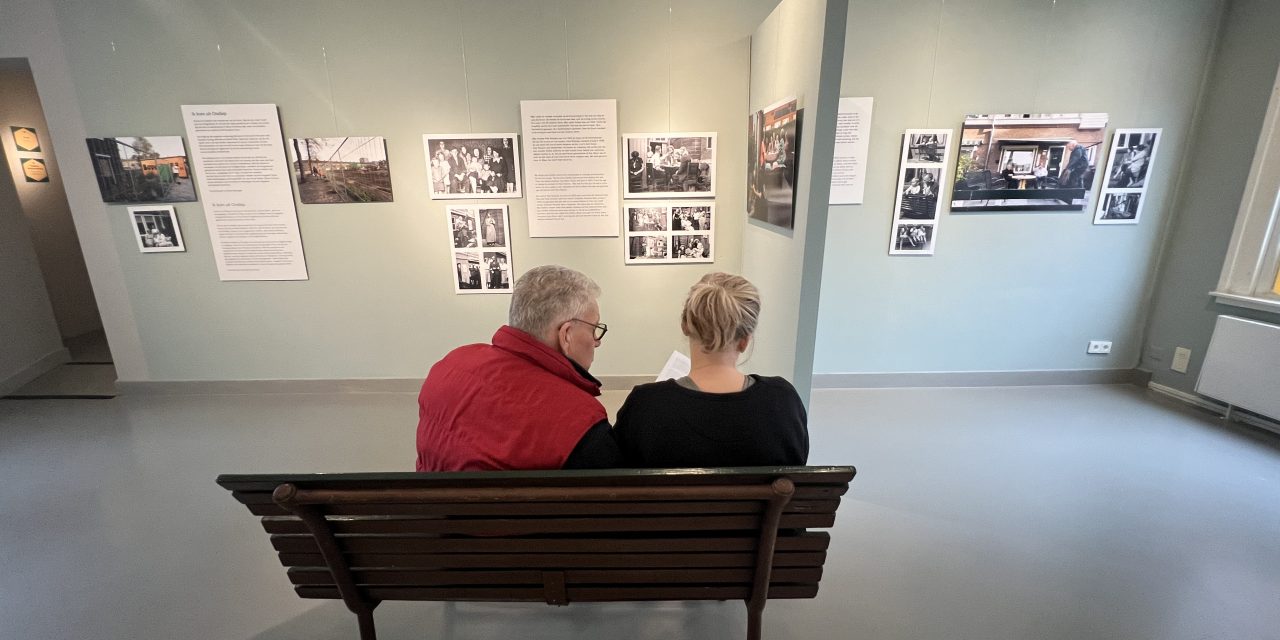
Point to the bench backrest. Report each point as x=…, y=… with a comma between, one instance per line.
x=553, y=536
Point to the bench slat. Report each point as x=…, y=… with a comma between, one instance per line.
x=441, y=578
x=531, y=526
x=556, y=560
x=558, y=508
x=303, y=543
x=580, y=594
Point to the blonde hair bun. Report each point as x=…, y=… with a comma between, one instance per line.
x=721, y=310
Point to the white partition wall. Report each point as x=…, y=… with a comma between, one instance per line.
x=796, y=52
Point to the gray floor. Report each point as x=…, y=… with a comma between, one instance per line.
x=89, y=375
x=1047, y=512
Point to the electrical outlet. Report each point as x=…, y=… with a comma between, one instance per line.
x=1181, y=358
x=1100, y=346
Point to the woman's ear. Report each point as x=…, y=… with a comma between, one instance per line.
x=742, y=344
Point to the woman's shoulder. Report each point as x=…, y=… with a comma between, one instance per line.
x=777, y=384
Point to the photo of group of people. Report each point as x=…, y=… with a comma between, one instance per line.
x=1028, y=161
x=773, y=136
x=156, y=229
x=669, y=232
x=480, y=239
x=476, y=165
x=670, y=165
x=918, y=201
x=1128, y=168
x=346, y=169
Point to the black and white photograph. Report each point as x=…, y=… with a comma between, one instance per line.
x=913, y=239
x=467, y=273
x=927, y=147
x=919, y=196
x=691, y=247
x=669, y=232
x=473, y=165
x=497, y=270
x=647, y=248
x=646, y=219
x=1132, y=152
x=336, y=170
x=773, y=136
x=1028, y=162
x=156, y=229
x=1121, y=206
x=669, y=165
x=142, y=169
x=479, y=236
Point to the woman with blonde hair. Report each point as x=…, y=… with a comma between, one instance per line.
x=716, y=416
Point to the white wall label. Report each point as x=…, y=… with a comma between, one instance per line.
x=853, y=136
x=571, y=166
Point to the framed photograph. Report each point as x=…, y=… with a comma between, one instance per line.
x=142, y=169
x=913, y=239
x=773, y=138
x=1128, y=171
x=669, y=165
x=925, y=153
x=669, y=232
x=25, y=139
x=480, y=241
x=335, y=170
x=156, y=229
x=1028, y=162
x=467, y=166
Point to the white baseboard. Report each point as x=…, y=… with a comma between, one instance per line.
x=351, y=385
x=34, y=370
x=1215, y=406
x=978, y=378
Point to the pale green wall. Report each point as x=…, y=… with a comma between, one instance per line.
x=796, y=52
x=1241, y=80
x=380, y=301
x=1007, y=291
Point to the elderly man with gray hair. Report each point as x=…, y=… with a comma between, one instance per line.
x=525, y=401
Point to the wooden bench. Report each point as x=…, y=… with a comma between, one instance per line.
x=550, y=536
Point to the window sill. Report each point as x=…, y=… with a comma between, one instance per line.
x=1248, y=302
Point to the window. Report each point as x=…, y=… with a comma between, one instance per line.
x=1251, y=274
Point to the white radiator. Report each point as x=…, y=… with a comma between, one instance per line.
x=1242, y=366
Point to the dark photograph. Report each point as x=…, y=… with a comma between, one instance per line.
x=142, y=169
x=691, y=218
x=646, y=219
x=1131, y=155
x=1028, y=162
x=927, y=147
x=156, y=229
x=694, y=246
x=641, y=248
x=493, y=231
x=1121, y=206
x=480, y=165
x=334, y=170
x=773, y=136
x=670, y=165
x=919, y=197
x=469, y=275
x=913, y=238
x=497, y=265
x=464, y=228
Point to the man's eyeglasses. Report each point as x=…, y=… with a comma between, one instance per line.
x=600, y=329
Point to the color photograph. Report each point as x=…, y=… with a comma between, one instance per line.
x=142, y=169
x=773, y=136
x=473, y=165
x=1028, y=162
x=669, y=165
x=336, y=170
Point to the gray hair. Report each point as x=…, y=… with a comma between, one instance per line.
x=546, y=296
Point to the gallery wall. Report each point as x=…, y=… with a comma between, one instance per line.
x=1007, y=291
x=45, y=206
x=380, y=302
x=795, y=53
x=28, y=331
x=1241, y=82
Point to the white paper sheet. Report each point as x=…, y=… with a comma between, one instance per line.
x=239, y=160
x=571, y=167
x=853, y=136
x=677, y=366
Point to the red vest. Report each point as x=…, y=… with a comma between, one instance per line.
x=514, y=404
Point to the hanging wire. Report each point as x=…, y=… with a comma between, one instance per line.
x=670, y=43
x=333, y=108
x=564, y=12
x=1035, y=96
x=466, y=76
x=937, y=44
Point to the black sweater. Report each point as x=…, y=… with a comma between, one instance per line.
x=664, y=425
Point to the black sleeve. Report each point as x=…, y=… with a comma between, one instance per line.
x=596, y=450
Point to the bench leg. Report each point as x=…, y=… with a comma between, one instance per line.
x=365, y=619
x=754, y=619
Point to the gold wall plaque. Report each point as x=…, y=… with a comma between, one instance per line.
x=25, y=139
x=34, y=170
